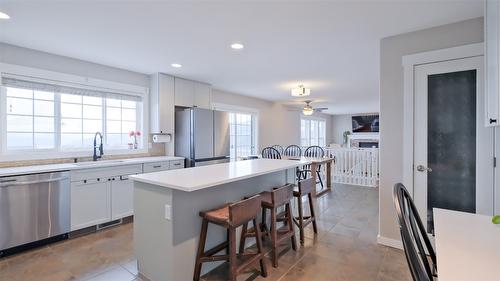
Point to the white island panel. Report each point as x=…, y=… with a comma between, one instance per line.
x=166, y=247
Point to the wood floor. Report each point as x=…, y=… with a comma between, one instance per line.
x=344, y=249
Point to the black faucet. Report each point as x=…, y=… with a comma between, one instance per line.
x=101, y=149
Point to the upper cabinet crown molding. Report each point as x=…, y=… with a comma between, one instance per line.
x=492, y=61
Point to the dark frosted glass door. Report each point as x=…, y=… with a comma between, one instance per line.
x=451, y=142
x=452, y=147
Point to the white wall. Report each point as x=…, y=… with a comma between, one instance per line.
x=37, y=59
x=391, y=102
x=340, y=124
x=277, y=123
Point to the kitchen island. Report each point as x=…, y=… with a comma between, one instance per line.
x=167, y=204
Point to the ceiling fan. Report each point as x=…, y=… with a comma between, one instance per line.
x=309, y=110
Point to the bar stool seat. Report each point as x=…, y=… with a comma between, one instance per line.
x=220, y=215
x=231, y=216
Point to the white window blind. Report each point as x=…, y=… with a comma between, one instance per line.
x=44, y=116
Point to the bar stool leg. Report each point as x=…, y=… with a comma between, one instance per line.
x=258, y=238
x=233, y=269
x=290, y=225
x=313, y=215
x=274, y=237
x=301, y=220
x=201, y=250
x=263, y=224
x=243, y=237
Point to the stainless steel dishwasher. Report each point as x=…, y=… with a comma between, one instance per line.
x=33, y=207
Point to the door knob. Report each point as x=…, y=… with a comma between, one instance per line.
x=422, y=168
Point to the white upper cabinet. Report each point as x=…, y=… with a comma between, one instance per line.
x=202, y=95
x=184, y=92
x=162, y=108
x=492, y=62
x=191, y=93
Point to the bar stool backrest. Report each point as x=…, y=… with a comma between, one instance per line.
x=282, y=195
x=271, y=153
x=278, y=147
x=293, y=151
x=245, y=210
x=307, y=186
x=314, y=151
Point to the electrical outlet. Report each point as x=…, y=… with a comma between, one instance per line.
x=168, y=212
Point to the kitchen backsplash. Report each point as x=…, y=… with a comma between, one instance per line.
x=158, y=149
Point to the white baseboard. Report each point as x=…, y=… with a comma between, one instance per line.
x=390, y=242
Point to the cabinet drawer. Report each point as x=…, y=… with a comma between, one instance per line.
x=176, y=164
x=156, y=166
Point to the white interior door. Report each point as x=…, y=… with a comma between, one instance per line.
x=453, y=150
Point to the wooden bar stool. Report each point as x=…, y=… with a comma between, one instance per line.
x=306, y=188
x=272, y=200
x=231, y=216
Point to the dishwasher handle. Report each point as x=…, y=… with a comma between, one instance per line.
x=17, y=183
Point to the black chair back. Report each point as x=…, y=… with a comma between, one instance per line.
x=271, y=153
x=293, y=151
x=279, y=148
x=413, y=233
x=314, y=151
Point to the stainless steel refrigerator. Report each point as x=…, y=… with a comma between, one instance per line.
x=202, y=136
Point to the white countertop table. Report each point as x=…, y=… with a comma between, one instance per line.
x=467, y=246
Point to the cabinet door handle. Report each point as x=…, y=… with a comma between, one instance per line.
x=493, y=121
x=157, y=166
x=177, y=164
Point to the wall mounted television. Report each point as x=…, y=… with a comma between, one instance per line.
x=365, y=123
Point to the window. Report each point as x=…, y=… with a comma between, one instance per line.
x=47, y=117
x=312, y=132
x=242, y=132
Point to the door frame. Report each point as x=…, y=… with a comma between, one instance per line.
x=409, y=63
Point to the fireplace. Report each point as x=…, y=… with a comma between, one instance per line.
x=368, y=144
x=364, y=140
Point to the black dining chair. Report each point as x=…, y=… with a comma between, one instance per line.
x=420, y=256
x=271, y=153
x=279, y=148
x=318, y=152
x=295, y=151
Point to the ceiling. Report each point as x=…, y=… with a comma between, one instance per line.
x=332, y=47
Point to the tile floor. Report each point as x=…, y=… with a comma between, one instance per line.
x=344, y=249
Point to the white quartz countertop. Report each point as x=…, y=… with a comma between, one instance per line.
x=196, y=178
x=22, y=170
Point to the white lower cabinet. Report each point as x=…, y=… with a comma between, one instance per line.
x=122, y=197
x=103, y=195
x=90, y=203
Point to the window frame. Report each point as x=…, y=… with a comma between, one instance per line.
x=62, y=79
x=319, y=137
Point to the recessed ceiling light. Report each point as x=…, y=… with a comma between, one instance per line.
x=176, y=65
x=4, y=16
x=237, y=46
